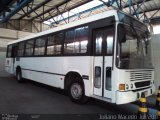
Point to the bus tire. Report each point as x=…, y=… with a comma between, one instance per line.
x=19, y=76
x=76, y=92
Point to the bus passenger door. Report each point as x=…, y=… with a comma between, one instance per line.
x=103, y=58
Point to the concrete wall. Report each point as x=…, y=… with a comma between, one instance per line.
x=7, y=35
x=156, y=57
x=25, y=25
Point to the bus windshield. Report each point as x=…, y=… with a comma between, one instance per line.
x=133, y=50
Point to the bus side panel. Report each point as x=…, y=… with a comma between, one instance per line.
x=52, y=70
x=82, y=65
x=45, y=78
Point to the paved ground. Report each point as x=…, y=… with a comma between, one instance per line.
x=31, y=97
x=35, y=98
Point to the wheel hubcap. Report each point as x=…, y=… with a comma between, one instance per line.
x=76, y=91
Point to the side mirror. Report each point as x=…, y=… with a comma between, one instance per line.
x=121, y=33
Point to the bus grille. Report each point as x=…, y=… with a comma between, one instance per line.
x=140, y=75
x=142, y=84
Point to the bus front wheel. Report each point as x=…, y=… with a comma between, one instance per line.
x=76, y=92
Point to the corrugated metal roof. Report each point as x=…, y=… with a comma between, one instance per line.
x=42, y=10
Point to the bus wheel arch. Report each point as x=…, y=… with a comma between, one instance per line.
x=69, y=78
x=74, y=80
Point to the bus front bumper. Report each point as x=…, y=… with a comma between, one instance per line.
x=131, y=96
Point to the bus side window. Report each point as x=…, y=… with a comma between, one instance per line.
x=20, y=51
x=40, y=46
x=29, y=48
x=76, y=40
x=54, y=44
x=9, y=51
x=14, y=51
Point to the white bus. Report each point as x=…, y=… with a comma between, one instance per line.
x=106, y=56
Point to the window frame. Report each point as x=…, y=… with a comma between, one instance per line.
x=53, y=34
x=8, y=51
x=13, y=52
x=88, y=45
x=21, y=49
x=104, y=42
x=35, y=39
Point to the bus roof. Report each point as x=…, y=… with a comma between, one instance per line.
x=70, y=25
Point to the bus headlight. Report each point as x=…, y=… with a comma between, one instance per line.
x=121, y=86
x=131, y=86
x=127, y=86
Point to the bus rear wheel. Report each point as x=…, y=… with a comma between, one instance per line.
x=19, y=76
x=76, y=92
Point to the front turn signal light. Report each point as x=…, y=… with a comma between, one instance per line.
x=121, y=86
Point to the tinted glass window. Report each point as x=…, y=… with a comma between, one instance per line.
x=54, y=44
x=76, y=40
x=109, y=42
x=9, y=51
x=104, y=38
x=134, y=49
x=99, y=39
x=29, y=48
x=40, y=46
x=20, y=49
